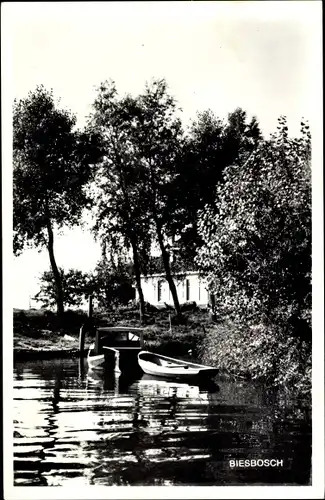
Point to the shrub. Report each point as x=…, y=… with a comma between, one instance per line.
x=256, y=257
x=256, y=254
x=259, y=353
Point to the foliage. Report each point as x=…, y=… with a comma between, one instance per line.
x=211, y=145
x=52, y=162
x=158, y=139
x=142, y=137
x=153, y=180
x=120, y=208
x=110, y=284
x=260, y=353
x=256, y=257
x=257, y=237
x=77, y=286
x=113, y=283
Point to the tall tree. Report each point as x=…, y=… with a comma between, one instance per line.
x=241, y=137
x=158, y=138
x=121, y=213
x=52, y=162
x=211, y=145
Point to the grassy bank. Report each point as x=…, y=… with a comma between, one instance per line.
x=37, y=334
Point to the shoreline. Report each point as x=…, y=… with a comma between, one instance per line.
x=39, y=343
x=211, y=343
x=41, y=354
x=33, y=351
x=163, y=346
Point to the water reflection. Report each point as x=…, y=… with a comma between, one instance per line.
x=74, y=425
x=103, y=383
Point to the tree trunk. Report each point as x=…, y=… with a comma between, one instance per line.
x=212, y=305
x=138, y=280
x=56, y=273
x=169, y=277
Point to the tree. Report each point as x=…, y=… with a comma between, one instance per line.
x=113, y=282
x=240, y=137
x=211, y=145
x=52, y=162
x=256, y=253
x=120, y=208
x=157, y=135
x=76, y=287
x=110, y=283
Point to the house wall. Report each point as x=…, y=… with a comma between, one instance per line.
x=189, y=288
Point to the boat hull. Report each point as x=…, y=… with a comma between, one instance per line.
x=96, y=361
x=128, y=360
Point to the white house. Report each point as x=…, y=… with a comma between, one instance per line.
x=189, y=286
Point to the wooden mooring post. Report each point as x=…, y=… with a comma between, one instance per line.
x=82, y=334
x=85, y=327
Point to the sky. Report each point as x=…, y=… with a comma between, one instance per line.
x=262, y=56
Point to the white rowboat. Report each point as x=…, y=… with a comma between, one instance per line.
x=163, y=366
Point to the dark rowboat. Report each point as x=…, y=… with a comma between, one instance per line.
x=114, y=345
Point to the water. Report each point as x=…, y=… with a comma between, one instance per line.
x=77, y=427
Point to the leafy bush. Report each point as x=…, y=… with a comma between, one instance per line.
x=190, y=305
x=113, y=284
x=76, y=285
x=259, y=353
x=111, y=287
x=257, y=237
x=256, y=257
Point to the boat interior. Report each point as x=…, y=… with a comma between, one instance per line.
x=153, y=358
x=118, y=338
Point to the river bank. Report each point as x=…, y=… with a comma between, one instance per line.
x=38, y=336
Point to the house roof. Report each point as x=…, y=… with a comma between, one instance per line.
x=163, y=275
x=177, y=265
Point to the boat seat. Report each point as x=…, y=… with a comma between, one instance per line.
x=169, y=364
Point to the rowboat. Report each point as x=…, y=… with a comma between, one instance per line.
x=163, y=366
x=113, y=346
